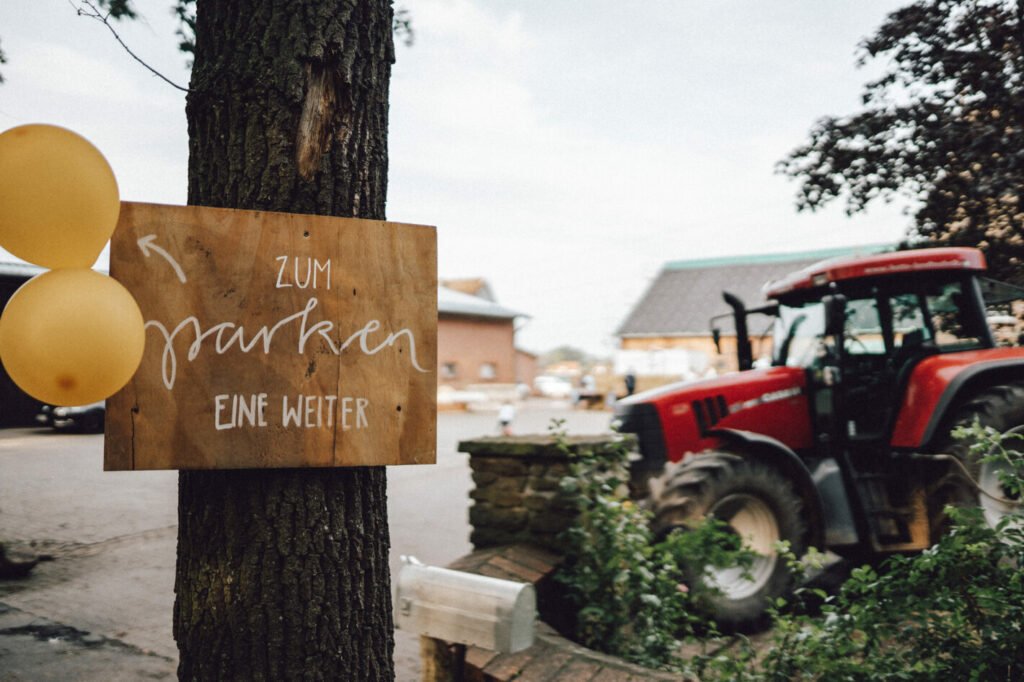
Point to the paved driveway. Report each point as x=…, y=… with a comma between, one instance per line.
x=102, y=609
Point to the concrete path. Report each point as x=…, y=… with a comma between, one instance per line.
x=101, y=609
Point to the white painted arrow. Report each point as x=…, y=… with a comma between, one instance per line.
x=146, y=245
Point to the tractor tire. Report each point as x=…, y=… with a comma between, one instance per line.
x=1002, y=408
x=760, y=505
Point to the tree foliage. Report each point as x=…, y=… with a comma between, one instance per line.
x=564, y=354
x=185, y=11
x=943, y=126
x=119, y=9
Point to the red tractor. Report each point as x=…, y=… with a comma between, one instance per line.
x=844, y=442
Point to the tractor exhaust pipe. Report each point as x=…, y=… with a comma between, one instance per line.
x=744, y=352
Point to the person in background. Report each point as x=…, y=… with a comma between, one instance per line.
x=506, y=413
x=630, y=382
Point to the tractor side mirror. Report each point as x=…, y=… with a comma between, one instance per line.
x=835, y=314
x=716, y=336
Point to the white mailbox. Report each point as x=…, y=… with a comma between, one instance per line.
x=464, y=607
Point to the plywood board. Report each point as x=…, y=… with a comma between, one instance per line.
x=275, y=340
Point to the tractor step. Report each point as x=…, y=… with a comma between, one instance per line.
x=899, y=529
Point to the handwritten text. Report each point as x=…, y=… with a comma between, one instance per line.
x=223, y=336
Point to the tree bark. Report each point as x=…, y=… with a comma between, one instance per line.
x=283, y=574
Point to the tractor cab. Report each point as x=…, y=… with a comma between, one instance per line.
x=860, y=332
x=888, y=343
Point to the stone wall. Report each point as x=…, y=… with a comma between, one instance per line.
x=516, y=498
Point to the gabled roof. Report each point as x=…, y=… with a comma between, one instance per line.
x=453, y=302
x=686, y=294
x=474, y=286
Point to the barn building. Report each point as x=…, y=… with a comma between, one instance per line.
x=667, y=335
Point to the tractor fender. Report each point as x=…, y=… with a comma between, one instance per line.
x=966, y=384
x=940, y=383
x=777, y=454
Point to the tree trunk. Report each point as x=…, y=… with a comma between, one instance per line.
x=283, y=574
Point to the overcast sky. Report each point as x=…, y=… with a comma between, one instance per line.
x=565, y=150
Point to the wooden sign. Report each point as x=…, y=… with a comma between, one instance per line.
x=275, y=340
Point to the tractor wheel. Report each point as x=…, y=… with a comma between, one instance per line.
x=1002, y=408
x=760, y=505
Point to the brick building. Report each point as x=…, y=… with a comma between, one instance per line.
x=476, y=338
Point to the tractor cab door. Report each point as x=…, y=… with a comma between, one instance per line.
x=848, y=350
x=888, y=330
x=846, y=347
x=867, y=379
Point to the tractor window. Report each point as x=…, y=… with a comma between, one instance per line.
x=863, y=328
x=948, y=306
x=1001, y=296
x=797, y=334
x=936, y=314
x=1004, y=311
x=908, y=324
x=930, y=314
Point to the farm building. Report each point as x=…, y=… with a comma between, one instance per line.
x=667, y=334
x=476, y=339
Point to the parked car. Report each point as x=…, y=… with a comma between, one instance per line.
x=83, y=418
x=45, y=416
x=552, y=386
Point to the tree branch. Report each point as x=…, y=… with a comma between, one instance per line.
x=94, y=13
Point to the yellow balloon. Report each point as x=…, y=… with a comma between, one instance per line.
x=71, y=337
x=58, y=197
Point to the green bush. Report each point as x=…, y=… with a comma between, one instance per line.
x=628, y=590
x=953, y=612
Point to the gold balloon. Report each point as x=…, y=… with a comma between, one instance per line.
x=71, y=337
x=58, y=197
